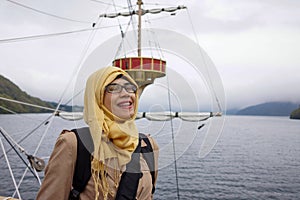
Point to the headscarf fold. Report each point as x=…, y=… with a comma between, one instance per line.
x=113, y=136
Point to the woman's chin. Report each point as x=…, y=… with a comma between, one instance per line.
x=125, y=115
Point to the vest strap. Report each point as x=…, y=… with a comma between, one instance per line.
x=82, y=172
x=130, y=178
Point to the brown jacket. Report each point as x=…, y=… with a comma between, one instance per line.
x=59, y=172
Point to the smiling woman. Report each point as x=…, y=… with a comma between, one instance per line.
x=110, y=108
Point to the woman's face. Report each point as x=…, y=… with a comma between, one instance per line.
x=120, y=103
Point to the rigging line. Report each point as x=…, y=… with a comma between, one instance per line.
x=17, y=114
x=148, y=34
x=8, y=137
x=159, y=18
x=122, y=46
x=48, y=14
x=133, y=23
x=40, y=143
x=30, y=133
x=156, y=43
x=21, y=180
x=75, y=72
x=205, y=63
x=9, y=142
x=10, y=170
x=158, y=4
x=130, y=8
x=23, y=176
x=32, y=37
x=59, y=103
x=27, y=104
x=8, y=110
x=153, y=43
x=122, y=33
x=123, y=7
x=173, y=141
x=68, y=85
x=72, y=98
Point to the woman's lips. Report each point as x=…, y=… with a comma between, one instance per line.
x=125, y=104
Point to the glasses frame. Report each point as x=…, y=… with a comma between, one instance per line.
x=121, y=87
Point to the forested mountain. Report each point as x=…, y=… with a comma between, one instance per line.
x=11, y=91
x=269, y=109
x=295, y=114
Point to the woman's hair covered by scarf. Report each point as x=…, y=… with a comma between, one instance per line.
x=113, y=137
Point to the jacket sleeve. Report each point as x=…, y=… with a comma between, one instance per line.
x=59, y=172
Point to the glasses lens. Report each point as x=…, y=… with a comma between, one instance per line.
x=130, y=88
x=114, y=88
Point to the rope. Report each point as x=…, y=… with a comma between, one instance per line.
x=50, y=119
x=74, y=96
x=10, y=170
x=109, y=4
x=173, y=141
x=27, y=104
x=65, y=90
x=205, y=64
x=9, y=142
x=81, y=59
x=122, y=33
x=56, y=109
x=122, y=46
x=8, y=110
x=45, y=13
x=30, y=133
x=130, y=9
x=34, y=37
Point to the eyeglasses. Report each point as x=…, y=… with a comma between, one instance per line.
x=117, y=88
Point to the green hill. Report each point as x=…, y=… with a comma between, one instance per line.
x=295, y=114
x=11, y=91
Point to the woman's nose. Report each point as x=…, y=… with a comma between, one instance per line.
x=124, y=92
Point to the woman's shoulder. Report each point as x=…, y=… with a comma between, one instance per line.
x=152, y=142
x=67, y=138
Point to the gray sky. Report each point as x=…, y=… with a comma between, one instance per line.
x=254, y=44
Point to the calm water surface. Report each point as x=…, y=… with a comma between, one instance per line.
x=254, y=158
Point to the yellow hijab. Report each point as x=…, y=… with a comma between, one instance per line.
x=113, y=137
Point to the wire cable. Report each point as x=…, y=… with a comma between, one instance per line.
x=122, y=43
x=121, y=30
x=173, y=141
x=41, y=36
x=14, y=148
x=48, y=14
x=27, y=104
x=205, y=64
x=10, y=170
x=109, y=4
x=30, y=133
x=33, y=37
x=75, y=72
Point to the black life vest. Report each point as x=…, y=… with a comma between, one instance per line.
x=130, y=178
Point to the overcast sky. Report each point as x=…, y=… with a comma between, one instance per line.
x=254, y=44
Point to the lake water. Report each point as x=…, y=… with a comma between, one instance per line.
x=254, y=157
